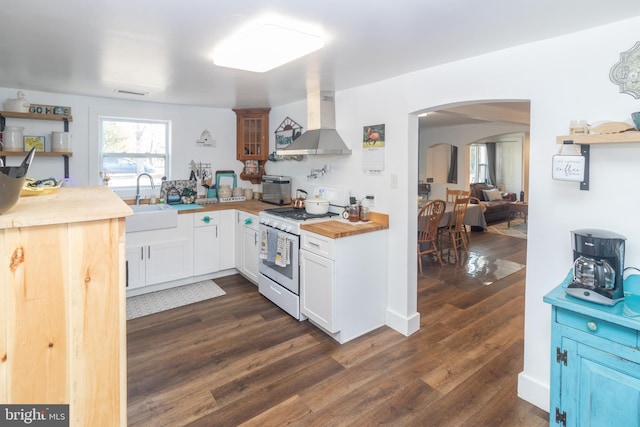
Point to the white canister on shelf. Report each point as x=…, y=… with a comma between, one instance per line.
x=60, y=142
x=12, y=138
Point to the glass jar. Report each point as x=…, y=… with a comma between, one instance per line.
x=364, y=213
x=354, y=213
x=578, y=127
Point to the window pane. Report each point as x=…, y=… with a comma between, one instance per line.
x=131, y=147
x=133, y=137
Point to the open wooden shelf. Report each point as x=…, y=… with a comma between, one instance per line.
x=65, y=155
x=38, y=153
x=611, y=138
x=36, y=116
x=65, y=118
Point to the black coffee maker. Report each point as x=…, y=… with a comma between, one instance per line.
x=598, y=266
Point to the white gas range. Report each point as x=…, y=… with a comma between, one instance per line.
x=279, y=271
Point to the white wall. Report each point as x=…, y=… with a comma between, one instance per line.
x=565, y=78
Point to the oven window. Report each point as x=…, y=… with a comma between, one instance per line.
x=285, y=271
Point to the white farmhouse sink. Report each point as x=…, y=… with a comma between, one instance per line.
x=151, y=217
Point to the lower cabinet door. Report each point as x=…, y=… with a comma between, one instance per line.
x=169, y=261
x=250, y=254
x=135, y=267
x=599, y=388
x=317, y=290
x=206, y=250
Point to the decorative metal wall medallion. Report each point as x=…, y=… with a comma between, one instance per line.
x=626, y=73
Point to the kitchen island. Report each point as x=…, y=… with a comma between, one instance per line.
x=62, y=304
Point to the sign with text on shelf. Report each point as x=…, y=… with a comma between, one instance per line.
x=568, y=167
x=50, y=110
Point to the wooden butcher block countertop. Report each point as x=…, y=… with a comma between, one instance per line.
x=250, y=206
x=336, y=229
x=65, y=205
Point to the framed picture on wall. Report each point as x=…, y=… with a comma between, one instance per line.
x=36, y=142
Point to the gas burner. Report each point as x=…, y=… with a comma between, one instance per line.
x=298, y=214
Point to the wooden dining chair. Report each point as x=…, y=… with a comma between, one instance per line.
x=428, y=220
x=455, y=229
x=452, y=195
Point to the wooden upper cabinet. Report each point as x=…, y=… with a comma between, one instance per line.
x=252, y=127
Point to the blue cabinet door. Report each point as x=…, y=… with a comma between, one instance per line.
x=608, y=389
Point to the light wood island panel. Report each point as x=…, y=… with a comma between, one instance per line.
x=62, y=304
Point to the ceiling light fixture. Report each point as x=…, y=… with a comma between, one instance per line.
x=266, y=43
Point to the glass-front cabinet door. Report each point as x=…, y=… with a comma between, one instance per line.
x=253, y=134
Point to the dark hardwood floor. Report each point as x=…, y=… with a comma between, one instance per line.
x=239, y=360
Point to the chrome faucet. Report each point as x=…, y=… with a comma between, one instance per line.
x=153, y=188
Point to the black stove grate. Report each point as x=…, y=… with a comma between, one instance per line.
x=299, y=214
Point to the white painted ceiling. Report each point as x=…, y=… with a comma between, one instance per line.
x=93, y=47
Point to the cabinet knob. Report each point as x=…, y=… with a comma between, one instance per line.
x=206, y=219
x=592, y=326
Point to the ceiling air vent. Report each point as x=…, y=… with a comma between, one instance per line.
x=130, y=92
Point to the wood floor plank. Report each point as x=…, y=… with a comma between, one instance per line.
x=240, y=360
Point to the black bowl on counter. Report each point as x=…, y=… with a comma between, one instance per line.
x=11, y=181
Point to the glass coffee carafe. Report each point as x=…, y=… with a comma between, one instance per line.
x=593, y=273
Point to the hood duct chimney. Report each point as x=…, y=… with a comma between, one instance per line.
x=321, y=138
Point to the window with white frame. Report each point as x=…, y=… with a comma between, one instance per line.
x=478, y=162
x=129, y=147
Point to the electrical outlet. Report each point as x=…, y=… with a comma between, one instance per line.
x=371, y=200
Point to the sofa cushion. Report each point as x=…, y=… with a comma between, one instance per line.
x=492, y=195
x=476, y=190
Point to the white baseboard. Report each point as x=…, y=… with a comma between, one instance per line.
x=402, y=324
x=533, y=391
x=180, y=282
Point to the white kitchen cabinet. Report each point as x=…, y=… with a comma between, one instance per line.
x=250, y=254
x=158, y=256
x=319, y=284
x=248, y=245
x=227, y=233
x=206, y=242
x=343, y=282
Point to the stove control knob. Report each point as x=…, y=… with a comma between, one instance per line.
x=263, y=221
x=288, y=229
x=282, y=226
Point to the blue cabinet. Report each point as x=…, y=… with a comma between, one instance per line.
x=595, y=361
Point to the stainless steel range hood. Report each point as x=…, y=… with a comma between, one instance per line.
x=321, y=138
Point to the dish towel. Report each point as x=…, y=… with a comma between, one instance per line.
x=282, y=253
x=264, y=246
x=272, y=246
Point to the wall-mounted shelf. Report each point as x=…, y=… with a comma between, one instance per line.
x=65, y=155
x=585, y=142
x=610, y=138
x=34, y=116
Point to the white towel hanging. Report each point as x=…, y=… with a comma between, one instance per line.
x=264, y=247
